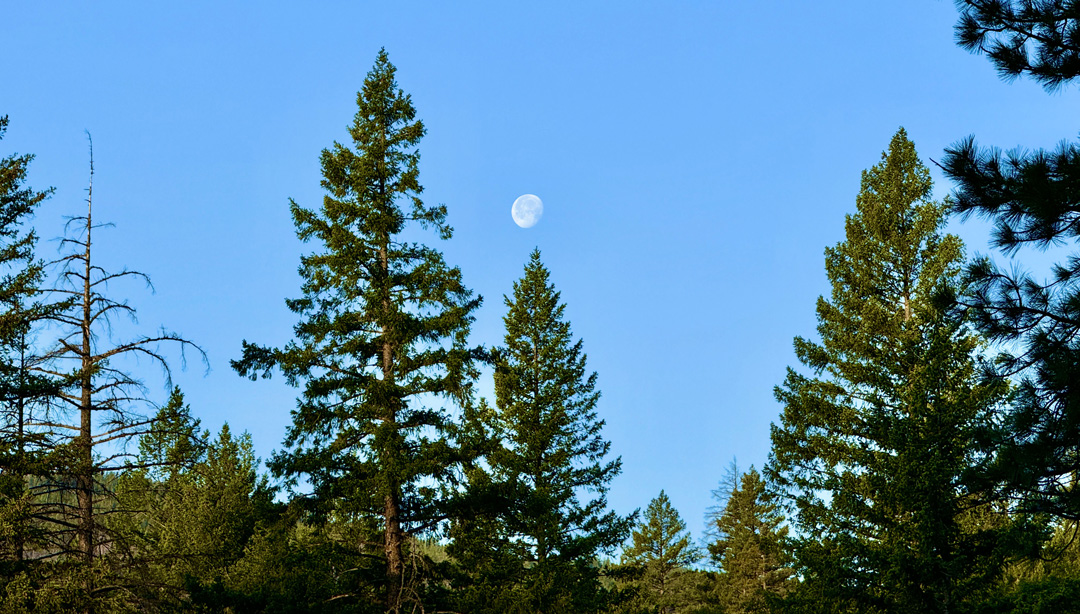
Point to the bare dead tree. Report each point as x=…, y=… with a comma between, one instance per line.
x=99, y=405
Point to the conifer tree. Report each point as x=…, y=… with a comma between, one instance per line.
x=749, y=549
x=1023, y=37
x=21, y=387
x=382, y=334
x=552, y=453
x=199, y=501
x=175, y=445
x=547, y=414
x=874, y=445
x=1030, y=195
x=662, y=550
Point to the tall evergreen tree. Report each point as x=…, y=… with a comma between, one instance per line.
x=1032, y=198
x=21, y=387
x=551, y=452
x=874, y=447
x=662, y=551
x=382, y=333
x=749, y=549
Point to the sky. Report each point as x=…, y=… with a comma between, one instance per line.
x=694, y=160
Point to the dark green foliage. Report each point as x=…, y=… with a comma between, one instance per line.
x=173, y=448
x=1032, y=199
x=1048, y=582
x=293, y=568
x=1031, y=196
x=553, y=448
x=1054, y=595
x=749, y=551
x=1040, y=38
x=198, y=515
x=662, y=553
x=208, y=537
x=17, y=204
x=382, y=335
x=874, y=448
x=23, y=446
x=525, y=530
x=197, y=522
x=489, y=566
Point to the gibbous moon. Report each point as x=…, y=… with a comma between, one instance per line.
x=527, y=210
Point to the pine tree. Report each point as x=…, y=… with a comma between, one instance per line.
x=552, y=451
x=662, y=551
x=749, y=549
x=874, y=447
x=383, y=332
x=1040, y=39
x=1031, y=197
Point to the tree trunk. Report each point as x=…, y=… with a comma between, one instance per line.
x=84, y=475
x=394, y=538
x=84, y=463
x=20, y=461
x=395, y=568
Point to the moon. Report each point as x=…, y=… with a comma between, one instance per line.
x=527, y=210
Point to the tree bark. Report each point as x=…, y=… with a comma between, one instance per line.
x=393, y=540
x=395, y=567
x=84, y=463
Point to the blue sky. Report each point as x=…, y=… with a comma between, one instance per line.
x=694, y=158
